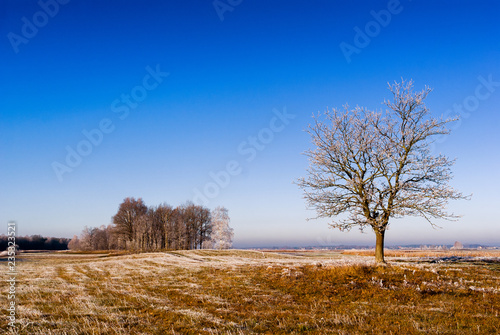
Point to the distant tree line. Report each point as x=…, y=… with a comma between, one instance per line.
x=36, y=242
x=138, y=227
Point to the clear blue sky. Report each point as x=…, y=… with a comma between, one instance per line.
x=84, y=65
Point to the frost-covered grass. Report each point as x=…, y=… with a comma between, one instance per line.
x=251, y=292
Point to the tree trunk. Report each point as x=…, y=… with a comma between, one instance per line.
x=379, y=246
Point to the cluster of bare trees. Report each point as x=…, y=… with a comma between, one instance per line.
x=139, y=227
x=36, y=242
x=94, y=238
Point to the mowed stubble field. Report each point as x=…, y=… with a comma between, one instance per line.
x=253, y=292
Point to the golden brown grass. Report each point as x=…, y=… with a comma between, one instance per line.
x=246, y=292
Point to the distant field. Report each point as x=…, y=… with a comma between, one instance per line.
x=428, y=253
x=254, y=292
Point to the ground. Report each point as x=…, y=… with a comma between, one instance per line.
x=254, y=292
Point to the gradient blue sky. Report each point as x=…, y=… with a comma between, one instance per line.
x=225, y=79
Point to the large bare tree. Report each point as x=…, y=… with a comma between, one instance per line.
x=377, y=165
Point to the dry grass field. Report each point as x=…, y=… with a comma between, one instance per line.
x=253, y=292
